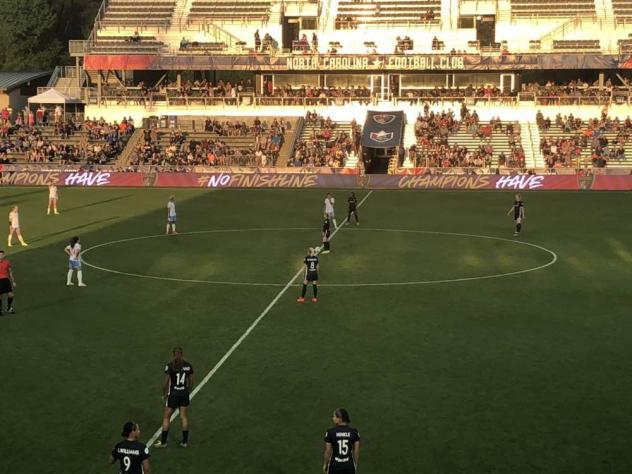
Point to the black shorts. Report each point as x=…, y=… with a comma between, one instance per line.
x=5, y=286
x=177, y=400
x=311, y=276
x=333, y=469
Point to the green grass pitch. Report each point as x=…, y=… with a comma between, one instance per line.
x=526, y=373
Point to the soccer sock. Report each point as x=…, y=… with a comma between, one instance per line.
x=80, y=276
x=304, y=291
x=10, y=302
x=69, y=279
x=518, y=227
x=185, y=436
x=335, y=223
x=163, y=436
x=315, y=290
x=173, y=228
x=168, y=225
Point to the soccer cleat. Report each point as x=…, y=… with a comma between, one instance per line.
x=48, y=213
x=314, y=300
x=24, y=244
x=56, y=212
x=357, y=223
x=82, y=284
x=300, y=299
x=158, y=444
x=70, y=283
x=515, y=234
x=325, y=251
x=11, y=310
x=184, y=445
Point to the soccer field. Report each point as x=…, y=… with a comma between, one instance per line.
x=455, y=347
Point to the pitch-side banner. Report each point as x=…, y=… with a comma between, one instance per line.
x=307, y=180
x=612, y=183
x=76, y=178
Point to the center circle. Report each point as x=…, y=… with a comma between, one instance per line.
x=469, y=256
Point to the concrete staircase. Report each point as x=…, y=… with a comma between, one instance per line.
x=180, y=14
x=531, y=145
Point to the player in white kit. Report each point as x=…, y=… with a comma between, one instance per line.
x=14, y=227
x=171, y=216
x=74, y=261
x=53, y=197
x=329, y=209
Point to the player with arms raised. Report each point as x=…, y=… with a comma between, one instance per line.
x=176, y=389
x=132, y=455
x=311, y=275
x=342, y=445
x=518, y=212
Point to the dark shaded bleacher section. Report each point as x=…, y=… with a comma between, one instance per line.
x=573, y=45
x=113, y=44
x=622, y=8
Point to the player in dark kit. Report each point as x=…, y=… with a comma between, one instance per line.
x=132, y=455
x=326, y=236
x=7, y=282
x=352, y=202
x=518, y=212
x=342, y=445
x=176, y=389
x=311, y=275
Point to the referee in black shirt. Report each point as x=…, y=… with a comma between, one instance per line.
x=352, y=202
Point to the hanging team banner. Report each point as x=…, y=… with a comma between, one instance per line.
x=383, y=129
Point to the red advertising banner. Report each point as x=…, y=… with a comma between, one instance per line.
x=612, y=183
x=129, y=62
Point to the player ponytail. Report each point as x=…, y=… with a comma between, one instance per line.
x=177, y=357
x=342, y=414
x=73, y=241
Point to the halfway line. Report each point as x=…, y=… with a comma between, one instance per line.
x=243, y=337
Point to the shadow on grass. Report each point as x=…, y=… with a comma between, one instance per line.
x=105, y=201
x=69, y=229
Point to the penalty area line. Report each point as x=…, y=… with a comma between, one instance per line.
x=246, y=333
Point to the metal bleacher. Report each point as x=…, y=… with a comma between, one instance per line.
x=138, y=14
x=404, y=12
x=552, y=8
x=229, y=11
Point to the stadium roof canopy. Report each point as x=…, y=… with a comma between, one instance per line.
x=12, y=80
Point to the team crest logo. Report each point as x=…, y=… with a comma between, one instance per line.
x=381, y=136
x=383, y=119
x=149, y=179
x=363, y=181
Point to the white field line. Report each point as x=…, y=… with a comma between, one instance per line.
x=243, y=337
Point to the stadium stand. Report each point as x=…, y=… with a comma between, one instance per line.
x=556, y=8
x=568, y=141
x=325, y=142
x=140, y=14
x=229, y=11
x=407, y=12
x=213, y=142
